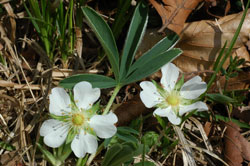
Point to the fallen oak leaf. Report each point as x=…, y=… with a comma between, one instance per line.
x=174, y=13
x=203, y=40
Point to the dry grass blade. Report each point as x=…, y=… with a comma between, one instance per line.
x=209, y=153
x=12, y=16
x=186, y=149
x=203, y=133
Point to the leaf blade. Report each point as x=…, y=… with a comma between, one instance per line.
x=152, y=66
x=105, y=37
x=134, y=37
x=163, y=45
x=98, y=81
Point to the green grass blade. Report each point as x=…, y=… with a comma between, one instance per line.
x=105, y=36
x=228, y=53
x=134, y=37
x=121, y=17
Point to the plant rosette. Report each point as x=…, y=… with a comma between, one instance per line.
x=75, y=120
x=173, y=99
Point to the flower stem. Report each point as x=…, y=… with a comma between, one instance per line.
x=92, y=156
x=111, y=100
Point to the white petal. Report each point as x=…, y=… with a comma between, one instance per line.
x=54, y=132
x=200, y=106
x=170, y=74
x=149, y=95
x=85, y=95
x=193, y=88
x=84, y=143
x=173, y=118
x=59, y=101
x=162, y=112
x=103, y=125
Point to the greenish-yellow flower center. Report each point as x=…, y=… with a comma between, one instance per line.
x=173, y=99
x=77, y=119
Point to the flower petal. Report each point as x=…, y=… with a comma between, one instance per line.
x=149, y=95
x=200, y=106
x=85, y=95
x=54, y=132
x=84, y=143
x=170, y=74
x=59, y=101
x=162, y=112
x=173, y=118
x=103, y=125
x=193, y=88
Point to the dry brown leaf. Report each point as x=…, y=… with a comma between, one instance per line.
x=174, y=12
x=236, y=146
x=242, y=81
x=202, y=41
x=242, y=115
x=130, y=110
x=11, y=159
x=207, y=128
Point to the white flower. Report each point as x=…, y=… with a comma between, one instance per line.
x=79, y=117
x=171, y=100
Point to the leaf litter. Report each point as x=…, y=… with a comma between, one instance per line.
x=24, y=102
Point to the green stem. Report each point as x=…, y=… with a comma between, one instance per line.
x=82, y=161
x=92, y=156
x=230, y=47
x=111, y=100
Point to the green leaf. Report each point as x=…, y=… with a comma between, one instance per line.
x=220, y=98
x=7, y=146
x=127, y=130
x=223, y=118
x=121, y=17
x=71, y=135
x=49, y=156
x=98, y=81
x=127, y=137
x=151, y=138
x=105, y=37
x=134, y=37
x=110, y=154
x=164, y=45
x=150, y=67
x=126, y=153
x=144, y=163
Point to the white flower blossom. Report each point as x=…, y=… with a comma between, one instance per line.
x=173, y=101
x=78, y=117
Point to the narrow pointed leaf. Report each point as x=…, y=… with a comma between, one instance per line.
x=164, y=45
x=150, y=67
x=49, y=156
x=111, y=153
x=98, y=81
x=134, y=37
x=105, y=37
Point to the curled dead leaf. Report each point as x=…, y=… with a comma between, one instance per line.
x=236, y=147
